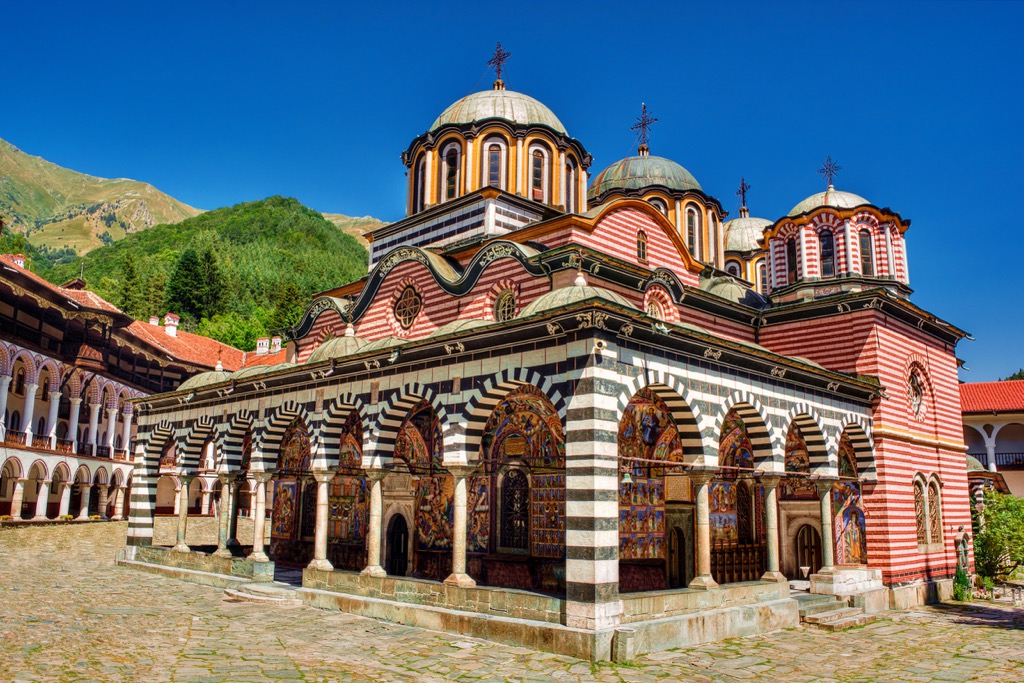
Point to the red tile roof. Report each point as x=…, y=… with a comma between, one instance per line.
x=251, y=359
x=987, y=397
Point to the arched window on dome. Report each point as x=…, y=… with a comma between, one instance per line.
x=762, y=277
x=693, y=227
x=540, y=175
x=654, y=310
x=867, y=255
x=660, y=205
x=641, y=246
x=495, y=162
x=791, y=260
x=419, y=185
x=450, y=171
x=733, y=268
x=827, y=253
x=571, y=182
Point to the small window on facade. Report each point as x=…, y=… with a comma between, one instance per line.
x=537, y=176
x=660, y=206
x=762, y=277
x=494, y=165
x=654, y=309
x=827, y=249
x=407, y=307
x=45, y=393
x=515, y=511
x=419, y=185
x=641, y=246
x=570, y=186
x=451, y=173
x=867, y=256
x=505, y=306
x=732, y=268
x=915, y=390
x=41, y=426
x=919, y=515
x=791, y=260
x=19, y=382
x=692, y=230
x=934, y=514
x=16, y=421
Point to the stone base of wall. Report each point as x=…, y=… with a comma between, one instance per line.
x=241, y=567
x=923, y=593
x=843, y=581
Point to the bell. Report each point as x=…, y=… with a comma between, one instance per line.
x=626, y=478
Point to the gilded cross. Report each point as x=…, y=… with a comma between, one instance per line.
x=742, y=192
x=498, y=59
x=830, y=170
x=643, y=125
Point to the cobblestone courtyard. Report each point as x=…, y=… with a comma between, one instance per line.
x=70, y=615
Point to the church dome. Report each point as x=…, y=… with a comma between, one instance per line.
x=204, y=379
x=638, y=172
x=339, y=347
x=744, y=233
x=499, y=104
x=566, y=296
x=830, y=197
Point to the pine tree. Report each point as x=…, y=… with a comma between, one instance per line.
x=185, y=287
x=129, y=290
x=289, y=306
x=211, y=284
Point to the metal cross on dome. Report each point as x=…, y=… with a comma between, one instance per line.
x=742, y=192
x=498, y=59
x=830, y=170
x=643, y=125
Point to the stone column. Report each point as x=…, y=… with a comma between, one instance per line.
x=126, y=432
x=29, y=413
x=232, y=504
x=42, y=499
x=373, y=533
x=771, y=518
x=224, y=522
x=102, y=502
x=51, y=418
x=459, y=577
x=703, y=578
x=204, y=501
x=111, y=426
x=65, y=498
x=94, y=425
x=990, y=455
x=17, y=497
x=118, y=504
x=260, y=520
x=181, y=546
x=5, y=383
x=320, y=561
x=76, y=410
x=177, y=499
x=828, y=561
x=83, y=508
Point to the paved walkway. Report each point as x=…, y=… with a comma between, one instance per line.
x=70, y=615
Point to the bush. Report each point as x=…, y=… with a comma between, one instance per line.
x=999, y=539
x=961, y=585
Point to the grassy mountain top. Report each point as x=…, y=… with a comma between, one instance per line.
x=354, y=226
x=57, y=208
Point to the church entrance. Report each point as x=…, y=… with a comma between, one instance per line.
x=808, y=549
x=397, y=547
x=680, y=547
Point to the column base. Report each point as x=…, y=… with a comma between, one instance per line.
x=774, y=576
x=321, y=565
x=181, y=548
x=703, y=582
x=460, y=580
x=40, y=518
x=222, y=552
x=116, y=518
x=375, y=571
x=259, y=557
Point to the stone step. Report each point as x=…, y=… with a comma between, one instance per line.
x=826, y=604
x=847, y=623
x=833, y=615
x=267, y=594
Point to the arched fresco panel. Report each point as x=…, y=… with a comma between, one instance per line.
x=798, y=485
x=348, y=501
x=848, y=520
x=291, y=531
x=737, y=508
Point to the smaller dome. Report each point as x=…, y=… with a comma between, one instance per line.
x=567, y=296
x=744, y=233
x=458, y=326
x=727, y=287
x=638, y=172
x=337, y=347
x=384, y=343
x=257, y=370
x=974, y=465
x=499, y=104
x=204, y=379
x=830, y=197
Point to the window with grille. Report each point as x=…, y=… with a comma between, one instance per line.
x=641, y=246
x=934, y=515
x=762, y=276
x=407, y=307
x=505, y=306
x=791, y=260
x=515, y=511
x=537, y=179
x=570, y=186
x=827, y=249
x=919, y=517
x=451, y=171
x=867, y=257
x=494, y=165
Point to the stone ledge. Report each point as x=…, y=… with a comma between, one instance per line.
x=203, y=578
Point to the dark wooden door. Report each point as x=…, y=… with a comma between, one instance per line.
x=397, y=546
x=808, y=550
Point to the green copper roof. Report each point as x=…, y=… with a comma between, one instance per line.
x=635, y=173
x=458, y=326
x=203, y=379
x=743, y=233
x=257, y=370
x=499, y=104
x=566, y=296
x=830, y=197
x=974, y=465
x=339, y=347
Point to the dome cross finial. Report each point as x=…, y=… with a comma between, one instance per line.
x=742, y=192
x=643, y=127
x=830, y=170
x=498, y=60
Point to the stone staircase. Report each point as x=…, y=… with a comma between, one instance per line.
x=830, y=613
x=264, y=593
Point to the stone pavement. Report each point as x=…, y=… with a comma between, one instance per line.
x=69, y=614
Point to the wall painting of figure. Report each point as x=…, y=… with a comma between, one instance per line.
x=798, y=463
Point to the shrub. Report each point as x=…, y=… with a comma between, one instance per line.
x=961, y=585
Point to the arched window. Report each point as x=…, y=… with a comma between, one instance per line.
x=659, y=205
x=762, y=277
x=44, y=382
x=407, y=307
x=539, y=175
x=515, y=511
x=693, y=225
x=451, y=172
x=934, y=514
x=419, y=185
x=570, y=186
x=654, y=309
x=919, y=514
x=791, y=260
x=867, y=256
x=495, y=156
x=41, y=426
x=16, y=421
x=733, y=268
x=641, y=246
x=505, y=306
x=19, y=382
x=827, y=252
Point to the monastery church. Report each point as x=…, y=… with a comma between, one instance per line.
x=582, y=410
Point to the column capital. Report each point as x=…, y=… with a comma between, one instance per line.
x=76, y=401
x=225, y=478
x=375, y=474
x=769, y=481
x=701, y=476
x=261, y=476
x=458, y=469
x=323, y=476
x=824, y=484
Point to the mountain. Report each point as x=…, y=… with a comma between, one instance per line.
x=58, y=208
x=354, y=226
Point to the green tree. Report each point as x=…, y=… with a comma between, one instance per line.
x=184, y=292
x=1017, y=375
x=211, y=283
x=130, y=295
x=156, y=284
x=999, y=539
x=289, y=305
x=235, y=330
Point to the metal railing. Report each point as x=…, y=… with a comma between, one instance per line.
x=1009, y=460
x=102, y=451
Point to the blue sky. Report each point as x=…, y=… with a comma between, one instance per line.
x=221, y=102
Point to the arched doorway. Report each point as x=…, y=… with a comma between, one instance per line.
x=397, y=547
x=808, y=550
x=294, y=503
x=349, y=499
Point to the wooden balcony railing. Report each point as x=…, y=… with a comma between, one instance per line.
x=14, y=437
x=64, y=445
x=1009, y=460
x=732, y=563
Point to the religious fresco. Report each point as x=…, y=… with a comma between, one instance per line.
x=849, y=523
x=646, y=432
x=847, y=457
x=295, y=450
x=348, y=501
x=285, y=497
x=798, y=461
x=734, y=450
x=478, y=514
x=723, y=513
